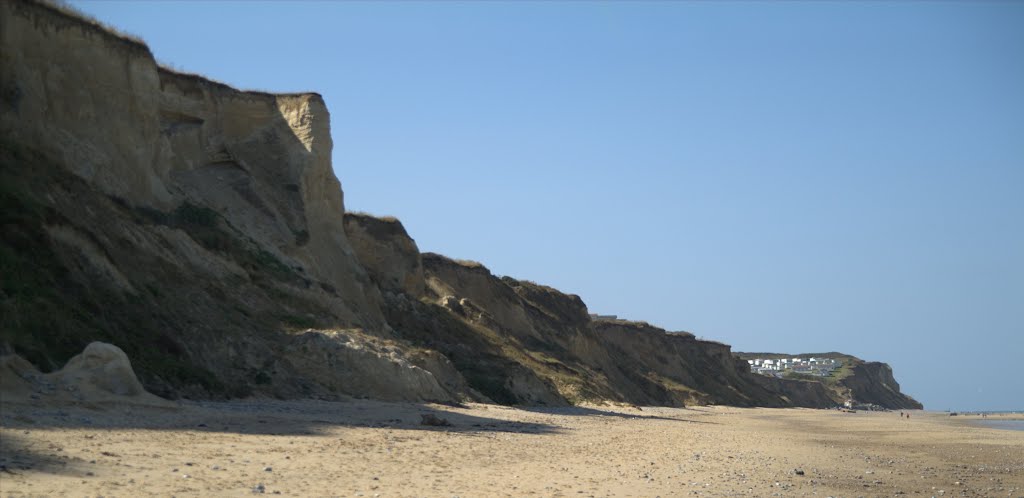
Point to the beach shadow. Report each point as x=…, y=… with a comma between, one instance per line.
x=582, y=411
x=263, y=417
x=19, y=454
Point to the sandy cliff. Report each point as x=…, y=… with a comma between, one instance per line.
x=201, y=229
x=197, y=226
x=101, y=107
x=873, y=382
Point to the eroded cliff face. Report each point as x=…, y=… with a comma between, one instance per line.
x=101, y=107
x=198, y=227
x=873, y=382
x=201, y=229
x=584, y=360
x=387, y=252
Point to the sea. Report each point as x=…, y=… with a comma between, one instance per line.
x=1011, y=425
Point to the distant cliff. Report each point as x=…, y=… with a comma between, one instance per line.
x=855, y=380
x=201, y=229
x=873, y=382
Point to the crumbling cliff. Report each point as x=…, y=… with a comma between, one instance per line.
x=201, y=229
x=196, y=226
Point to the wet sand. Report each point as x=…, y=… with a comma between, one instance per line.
x=367, y=448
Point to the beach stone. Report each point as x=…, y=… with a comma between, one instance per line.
x=433, y=420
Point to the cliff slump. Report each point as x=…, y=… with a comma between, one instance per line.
x=201, y=229
x=552, y=334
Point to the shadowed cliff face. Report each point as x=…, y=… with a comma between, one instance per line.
x=196, y=226
x=99, y=107
x=201, y=229
x=872, y=382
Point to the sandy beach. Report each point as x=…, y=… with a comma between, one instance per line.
x=367, y=448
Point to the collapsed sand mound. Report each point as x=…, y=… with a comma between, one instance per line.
x=357, y=364
x=101, y=373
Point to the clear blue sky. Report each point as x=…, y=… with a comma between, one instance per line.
x=794, y=177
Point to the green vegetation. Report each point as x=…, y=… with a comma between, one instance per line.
x=801, y=376
x=48, y=313
x=189, y=214
x=476, y=352
x=210, y=230
x=845, y=370
x=62, y=7
x=298, y=322
x=363, y=214
x=261, y=378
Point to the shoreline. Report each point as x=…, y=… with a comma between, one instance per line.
x=992, y=416
x=372, y=448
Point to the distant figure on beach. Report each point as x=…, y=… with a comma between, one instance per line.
x=901, y=414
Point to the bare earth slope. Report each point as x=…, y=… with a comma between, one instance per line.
x=201, y=229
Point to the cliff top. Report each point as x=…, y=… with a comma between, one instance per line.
x=774, y=356
x=64, y=15
x=465, y=263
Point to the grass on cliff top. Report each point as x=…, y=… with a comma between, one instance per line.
x=467, y=263
x=844, y=371
x=364, y=214
x=71, y=14
x=831, y=380
x=67, y=10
